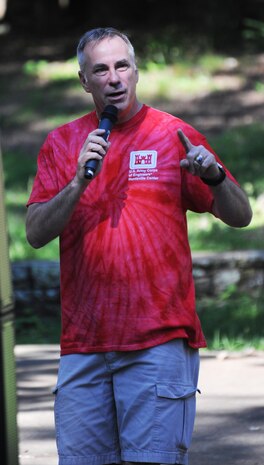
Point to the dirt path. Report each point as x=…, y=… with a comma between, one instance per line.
x=229, y=428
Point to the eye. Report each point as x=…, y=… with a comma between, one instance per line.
x=122, y=66
x=100, y=71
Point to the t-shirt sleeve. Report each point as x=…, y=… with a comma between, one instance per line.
x=45, y=185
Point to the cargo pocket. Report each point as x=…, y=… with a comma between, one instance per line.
x=175, y=415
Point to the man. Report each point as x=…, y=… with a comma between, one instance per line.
x=130, y=333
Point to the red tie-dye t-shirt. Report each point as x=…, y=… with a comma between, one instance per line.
x=126, y=270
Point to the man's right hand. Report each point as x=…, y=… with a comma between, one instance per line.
x=95, y=147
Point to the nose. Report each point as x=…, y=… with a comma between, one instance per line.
x=113, y=76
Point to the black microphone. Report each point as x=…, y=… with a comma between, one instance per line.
x=107, y=121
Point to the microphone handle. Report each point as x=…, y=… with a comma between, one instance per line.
x=91, y=165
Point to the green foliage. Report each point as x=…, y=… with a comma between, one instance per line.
x=231, y=321
x=49, y=94
x=19, y=170
x=205, y=232
x=241, y=149
x=233, y=318
x=208, y=233
x=259, y=86
x=31, y=327
x=235, y=343
x=254, y=31
x=55, y=71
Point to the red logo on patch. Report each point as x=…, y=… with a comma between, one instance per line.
x=143, y=159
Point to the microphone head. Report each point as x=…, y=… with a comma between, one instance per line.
x=110, y=112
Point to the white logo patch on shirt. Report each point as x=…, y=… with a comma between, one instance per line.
x=143, y=165
x=143, y=159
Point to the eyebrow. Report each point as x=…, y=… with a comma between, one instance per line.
x=124, y=61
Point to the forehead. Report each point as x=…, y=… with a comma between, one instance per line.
x=106, y=51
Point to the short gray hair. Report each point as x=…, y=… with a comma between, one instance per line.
x=98, y=34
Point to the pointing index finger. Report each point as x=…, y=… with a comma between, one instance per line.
x=184, y=140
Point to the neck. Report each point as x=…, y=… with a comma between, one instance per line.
x=130, y=112
x=127, y=113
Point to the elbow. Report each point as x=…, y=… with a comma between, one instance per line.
x=248, y=215
x=33, y=232
x=33, y=238
x=247, y=219
x=243, y=220
x=33, y=241
x=37, y=239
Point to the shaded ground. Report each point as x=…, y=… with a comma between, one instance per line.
x=238, y=103
x=229, y=428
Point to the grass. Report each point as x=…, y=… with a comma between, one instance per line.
x=205, y=232
x=235, y=344
x=49, y=86
x=233, y=321
x=192, y=76
x=31, y=326
x=48, y=94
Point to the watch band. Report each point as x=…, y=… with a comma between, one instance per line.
x=215, y=181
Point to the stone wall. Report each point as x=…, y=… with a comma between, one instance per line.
x=37, y=283
x=215, y=272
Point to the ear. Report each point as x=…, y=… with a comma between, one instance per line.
x=84, y=81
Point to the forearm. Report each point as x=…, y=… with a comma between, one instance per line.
x=46, y=221
x=231, y=204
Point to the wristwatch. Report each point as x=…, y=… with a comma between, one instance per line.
x=215, y=181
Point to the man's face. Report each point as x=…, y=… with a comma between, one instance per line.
x=110, y=75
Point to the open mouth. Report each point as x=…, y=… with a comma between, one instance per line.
x=116, y=95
